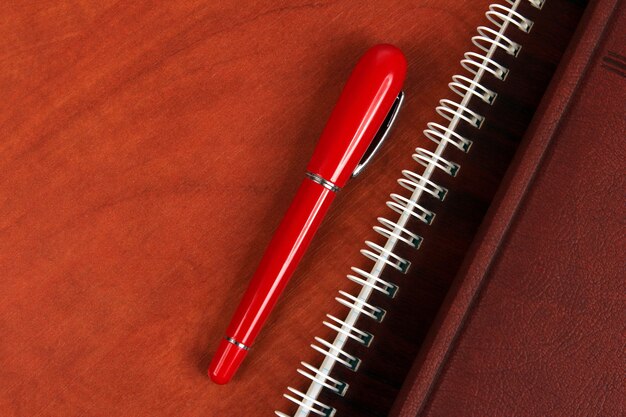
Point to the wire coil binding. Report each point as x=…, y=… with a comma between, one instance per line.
x=478, y=65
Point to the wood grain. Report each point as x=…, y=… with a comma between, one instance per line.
x=148, y=151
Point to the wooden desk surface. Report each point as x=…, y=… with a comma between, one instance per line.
x=147, y=152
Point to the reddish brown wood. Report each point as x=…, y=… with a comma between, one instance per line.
x=148, y=151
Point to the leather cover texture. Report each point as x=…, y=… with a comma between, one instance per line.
x=534, y=325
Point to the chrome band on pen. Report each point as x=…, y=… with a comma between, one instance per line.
x=323, y=182
x=236, y=343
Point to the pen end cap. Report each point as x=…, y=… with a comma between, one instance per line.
x=225, y=362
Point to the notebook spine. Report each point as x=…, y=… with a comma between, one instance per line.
x=478, y=65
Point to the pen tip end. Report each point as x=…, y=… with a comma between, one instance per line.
x=218, y=378
x=225, y=362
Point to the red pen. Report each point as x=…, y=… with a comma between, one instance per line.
x=357, y=126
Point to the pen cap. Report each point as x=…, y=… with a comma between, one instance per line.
x=359, y=113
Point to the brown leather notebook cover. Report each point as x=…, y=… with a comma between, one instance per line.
x=534, y=325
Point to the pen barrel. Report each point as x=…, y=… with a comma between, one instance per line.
x=279, y=261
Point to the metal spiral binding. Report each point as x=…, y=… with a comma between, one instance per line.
x=478, y=65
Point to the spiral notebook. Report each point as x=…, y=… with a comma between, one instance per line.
x=437, y=208
x=529, y=327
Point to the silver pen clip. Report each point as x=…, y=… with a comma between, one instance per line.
x=381, y=135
